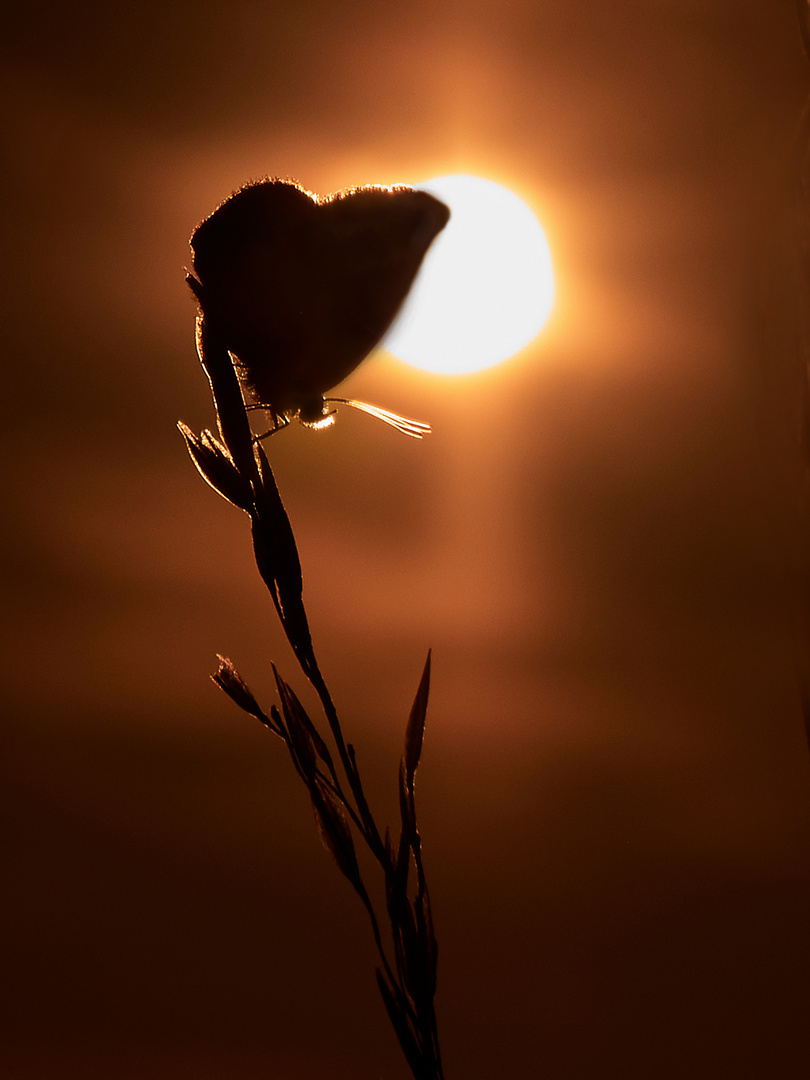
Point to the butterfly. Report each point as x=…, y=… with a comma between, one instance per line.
x=302, y=287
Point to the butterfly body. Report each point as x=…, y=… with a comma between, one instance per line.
x=302, y=288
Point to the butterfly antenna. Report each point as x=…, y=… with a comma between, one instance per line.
x=415, y=428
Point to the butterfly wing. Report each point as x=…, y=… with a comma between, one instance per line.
x=373, y=243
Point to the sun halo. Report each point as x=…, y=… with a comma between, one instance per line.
x=486, y=286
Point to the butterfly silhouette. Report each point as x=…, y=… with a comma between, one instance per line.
x=302, y=287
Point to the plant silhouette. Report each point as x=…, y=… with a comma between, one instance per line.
x=294, y=291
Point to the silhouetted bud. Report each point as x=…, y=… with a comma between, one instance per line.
x=333, y=826
x=216, y=465
x=228, y=679
x=414, y=733
x=306, y=738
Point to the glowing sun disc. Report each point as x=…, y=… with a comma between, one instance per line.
x=485, y=288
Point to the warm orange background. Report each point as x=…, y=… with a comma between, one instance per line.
x=615, y=790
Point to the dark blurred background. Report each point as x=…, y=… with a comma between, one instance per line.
x=597, y=541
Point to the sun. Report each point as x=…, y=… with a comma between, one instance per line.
x=485, y=288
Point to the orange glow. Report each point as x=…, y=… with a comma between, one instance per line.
x=596, y=541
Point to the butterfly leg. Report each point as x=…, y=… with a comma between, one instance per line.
x=279, y=423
